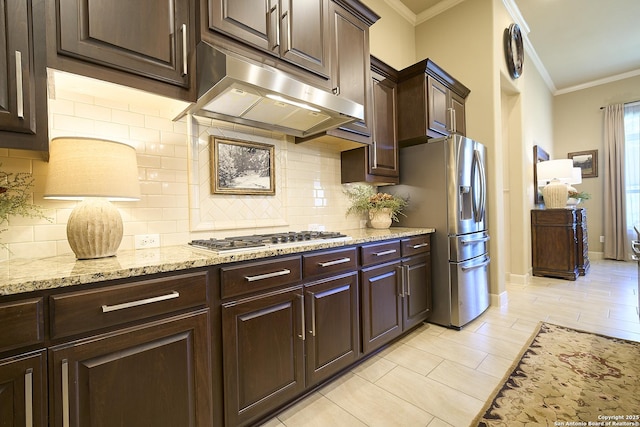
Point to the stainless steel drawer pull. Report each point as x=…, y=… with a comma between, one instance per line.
x=283, y=272
x=471, y=241
x=303, y=333
x=19, y=86
x=334, y=262
x=28, y=398
x=421, y=245
x=124, y=305
x=65, y=393
x=184, y=49
x=383, y=253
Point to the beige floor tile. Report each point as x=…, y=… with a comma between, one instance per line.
x=469, y=381
x=447, y=349
x=495, y=365
x=374, y=368
x=374, y=405
x=413, y=359
x=444, y=402
x=437, y=422
x=500, y=332
x=317, y=411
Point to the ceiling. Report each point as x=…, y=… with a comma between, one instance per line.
x=574, y=43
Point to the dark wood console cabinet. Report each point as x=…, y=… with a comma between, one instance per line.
x=559, y=245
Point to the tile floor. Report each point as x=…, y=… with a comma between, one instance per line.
x=440, y=377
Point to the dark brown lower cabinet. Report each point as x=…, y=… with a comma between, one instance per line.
x=396, y=296
x=332, y=326
x=263, y=354
x=157, y=374
x=23, y=390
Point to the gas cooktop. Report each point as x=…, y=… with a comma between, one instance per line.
x=257, y=241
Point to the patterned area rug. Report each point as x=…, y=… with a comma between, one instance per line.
x=567, y=377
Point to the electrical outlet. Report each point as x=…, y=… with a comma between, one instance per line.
x=145, y=241
x=601, y=239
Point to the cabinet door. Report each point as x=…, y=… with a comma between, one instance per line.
x=350, y=65
x=383, y=153
x=157, y=374
x=304, y=34
x=23, y=95
x=438, y=110
x=144, y=37
x=252, y=21
x=417, y=290
x=23, y=391
x=332, y=343
x=457, y=104
x=381, y=305
x=263, y=354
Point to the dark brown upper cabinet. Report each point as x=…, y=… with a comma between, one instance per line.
x=431, y=103
x=295, y=31
x=23, y=78
x=378, y=162
x=138, y=44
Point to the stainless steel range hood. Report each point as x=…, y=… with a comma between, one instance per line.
x=234, y=89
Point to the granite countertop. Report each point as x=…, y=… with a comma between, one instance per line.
x=26, y=275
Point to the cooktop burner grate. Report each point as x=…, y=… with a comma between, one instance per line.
x=267, y=240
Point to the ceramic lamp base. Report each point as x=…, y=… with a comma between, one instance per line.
x=555, y=195
x=94, y=229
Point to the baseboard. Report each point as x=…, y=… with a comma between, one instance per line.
x=519, y=279
x=596, y=256
x=499, y=300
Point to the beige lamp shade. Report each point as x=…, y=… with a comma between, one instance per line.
x=83, y=167
x=94, y=171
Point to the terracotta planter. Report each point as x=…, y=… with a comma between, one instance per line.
x=380, y=218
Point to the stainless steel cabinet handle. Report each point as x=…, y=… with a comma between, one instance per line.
x=287, y=15
x=184, y=50
x=400, y=270
x=407, y=280
x=421, y=245
x=302, y=335
x=28, y=398
x=130, y=304
x=454, y=125
x=19, y=86
x=486, y=262
x=272, y=11
x=334, y=262
x=312, y=297
x=389, y=252
x=451, y=122
x=65, y=393
x=283, y=272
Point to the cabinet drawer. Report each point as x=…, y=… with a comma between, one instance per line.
x=83, y=311
x=329, y=262
x=22, y=323
x=380, y=252
x=255, y=276
x=416, y=245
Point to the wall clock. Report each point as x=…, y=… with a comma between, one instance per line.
x=513, y=50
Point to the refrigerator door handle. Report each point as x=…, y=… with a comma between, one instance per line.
x=473, y=267
x=478, y=206
x=471, y=241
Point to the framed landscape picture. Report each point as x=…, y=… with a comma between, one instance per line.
x=241, y=167
x=587, y=161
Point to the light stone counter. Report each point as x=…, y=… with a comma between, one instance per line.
x=26, y=275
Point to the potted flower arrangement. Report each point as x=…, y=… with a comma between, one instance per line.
x=382, y=208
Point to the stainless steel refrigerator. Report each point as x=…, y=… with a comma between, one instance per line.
x=445, y=180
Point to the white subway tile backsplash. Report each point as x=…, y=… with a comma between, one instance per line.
x=174, y=172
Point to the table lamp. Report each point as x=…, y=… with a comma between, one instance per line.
x=95, y=171
x=557, y=173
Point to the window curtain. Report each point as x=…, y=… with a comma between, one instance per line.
x=615, y=228
x=632, y=169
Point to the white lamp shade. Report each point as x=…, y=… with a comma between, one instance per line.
x=84, y=167
x=576, y=178
x=561, y=170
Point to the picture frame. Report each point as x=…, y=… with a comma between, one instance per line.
x=539, y=155
x=587, y=161
x=242, y=167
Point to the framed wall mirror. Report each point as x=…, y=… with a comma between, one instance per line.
x=539, y=155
